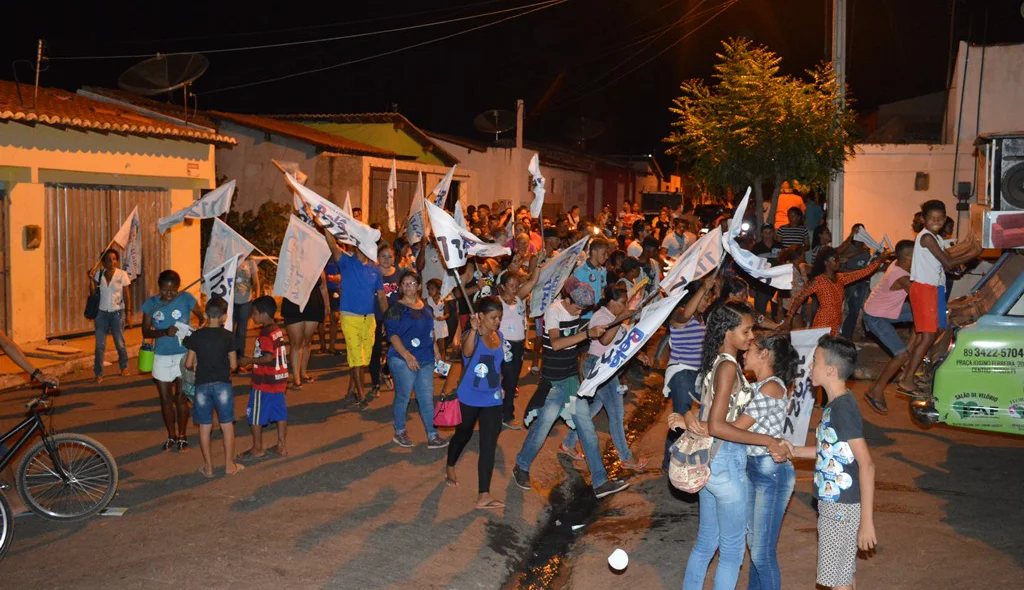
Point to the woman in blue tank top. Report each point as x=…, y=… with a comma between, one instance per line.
x=480, y=395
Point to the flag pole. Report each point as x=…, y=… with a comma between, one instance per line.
x=458, y=280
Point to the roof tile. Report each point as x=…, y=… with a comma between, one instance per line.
x=304, y=133
x=60, y=108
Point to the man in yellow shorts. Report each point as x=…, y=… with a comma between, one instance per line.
x=361, y=281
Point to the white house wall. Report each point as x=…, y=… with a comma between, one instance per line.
x=995, y=81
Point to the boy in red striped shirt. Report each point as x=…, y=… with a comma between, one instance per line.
x=269, y=379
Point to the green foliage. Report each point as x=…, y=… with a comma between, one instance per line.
x=754, y=126
x=264, y=228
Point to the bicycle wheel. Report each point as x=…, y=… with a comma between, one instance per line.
x=90, y=484
x=6, y=525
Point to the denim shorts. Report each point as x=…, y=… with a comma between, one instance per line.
x=885, y=331
x=218, y=396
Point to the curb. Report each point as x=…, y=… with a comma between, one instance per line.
x=72, y=364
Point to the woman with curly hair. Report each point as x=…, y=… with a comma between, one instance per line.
x=723, y=501
x=828, y=284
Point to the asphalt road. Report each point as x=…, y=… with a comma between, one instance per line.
x=349, y=509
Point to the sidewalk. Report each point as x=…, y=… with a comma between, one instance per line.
x=61, y=364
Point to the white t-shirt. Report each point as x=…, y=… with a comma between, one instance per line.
x=112, y=293
x=635, y=249
x=601, y=317
x=513, y=320
x=925, y=267
x=433, y=268
x=440, y=326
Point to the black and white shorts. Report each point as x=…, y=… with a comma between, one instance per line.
x=838, y=525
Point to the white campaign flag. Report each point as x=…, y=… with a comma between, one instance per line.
x=455, y=244
x=779, y=277
x=224, y=243
x=538, y=186
x=629, y=342
x=801, y=401
x=416, y=228
x=344, y=229
x=216, y=202
x=440, y=191
x=552, y=276
x=865, y=238
x=304, y=253
x=886, y=243
x=347, y=207
x=129, y=237
x=704, y=256
x=219, y=281
x=392, y=187
x=291, y=168
x=460, y=217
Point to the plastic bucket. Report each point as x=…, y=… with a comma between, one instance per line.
x=145, y=359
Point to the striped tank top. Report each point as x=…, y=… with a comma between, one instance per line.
x=686, y=343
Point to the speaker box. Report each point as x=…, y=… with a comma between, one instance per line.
x=1002, y=160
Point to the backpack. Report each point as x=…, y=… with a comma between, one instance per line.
x=689, y=466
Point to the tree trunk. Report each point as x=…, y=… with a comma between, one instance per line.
x=775, y=200
x=758, y=207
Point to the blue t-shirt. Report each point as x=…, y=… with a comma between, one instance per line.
x=165, y=316
x=597, y=278
x=415, y=328
x=359, y=285
x=480, y=385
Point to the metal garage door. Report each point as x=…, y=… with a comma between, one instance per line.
x=80, y=221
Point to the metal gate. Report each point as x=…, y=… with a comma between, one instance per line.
x=5, y=247
x=80, y=222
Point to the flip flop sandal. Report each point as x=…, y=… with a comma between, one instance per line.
x=491, y=505
x=294, y=387
x=636, y=464
x=308, y=379
x=908, y=392
x=571, y=453
x=277, y=453
x=878, y=406
x=238, y=469
x=249, y=457
x=202, y=471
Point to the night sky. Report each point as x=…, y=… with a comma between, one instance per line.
x=578, y=58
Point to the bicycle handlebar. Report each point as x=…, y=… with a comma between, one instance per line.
x=42, y=400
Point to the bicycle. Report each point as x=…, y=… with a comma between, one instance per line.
x=63, y=477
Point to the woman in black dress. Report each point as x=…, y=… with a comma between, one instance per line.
x=300, y=326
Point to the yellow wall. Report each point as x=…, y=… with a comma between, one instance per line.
x=28, y=267
x=33, y=156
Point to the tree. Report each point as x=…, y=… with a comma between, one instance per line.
x=757, y=127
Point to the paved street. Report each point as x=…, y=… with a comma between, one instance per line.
x=348, y=509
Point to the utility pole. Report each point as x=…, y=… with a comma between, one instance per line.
x=39, y=62
x=835, y=187
x=519, y=186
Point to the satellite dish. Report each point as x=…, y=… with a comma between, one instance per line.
x=583, y=129
x=495, y=121
x=163, y=73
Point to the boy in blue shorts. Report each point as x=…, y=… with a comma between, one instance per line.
x=211, y=354
x=269, y=362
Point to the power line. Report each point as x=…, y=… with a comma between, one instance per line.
x=586, y=93
x=543, y=3
x=251, y=33
x=539, y=6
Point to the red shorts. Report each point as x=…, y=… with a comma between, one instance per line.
x=928, y=304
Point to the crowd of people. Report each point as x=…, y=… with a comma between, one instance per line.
x=400, y=326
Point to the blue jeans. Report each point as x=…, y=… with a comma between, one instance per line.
x=216, y=396
x=541, y=426
x=883, y=329
x=406, y=380
x=109, y=322
x=609, y=398
x=241, y=313
x=682, y=384
x=855, y=295
x=723, y=521
x=771, y=485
